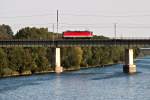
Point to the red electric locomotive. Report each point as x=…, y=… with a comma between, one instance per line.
x=77, y=34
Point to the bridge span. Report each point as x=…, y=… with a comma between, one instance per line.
x=73, y=42
x=128, y=67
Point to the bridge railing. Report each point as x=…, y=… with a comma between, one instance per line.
x=75, y=42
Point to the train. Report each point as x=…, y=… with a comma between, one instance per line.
x=77, y=34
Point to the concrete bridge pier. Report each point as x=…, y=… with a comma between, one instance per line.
x=129, y=66
x=56, y=60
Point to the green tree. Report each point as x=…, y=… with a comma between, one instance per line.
x=33, y=33
x=105, y=55
x=5, y=32
x=77, y=56
x=16, y=59
x=5, y=29
x=72, y=57
x=41, y=60
x=65, y=57
x=3, y=61
x=28, y=61
x=87, y=56
x=96, y=55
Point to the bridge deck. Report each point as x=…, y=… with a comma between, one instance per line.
x=73, y=42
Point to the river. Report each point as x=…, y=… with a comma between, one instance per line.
x=108, y=83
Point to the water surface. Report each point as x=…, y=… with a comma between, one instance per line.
x=107, y=83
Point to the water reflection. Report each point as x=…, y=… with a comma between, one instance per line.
x=58, y=88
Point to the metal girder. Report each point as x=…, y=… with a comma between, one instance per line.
x=73, y=42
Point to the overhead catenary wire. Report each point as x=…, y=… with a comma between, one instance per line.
x=92, y=25
x=77, y=15
x=27, y=16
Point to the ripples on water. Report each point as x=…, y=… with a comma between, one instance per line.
x=107, y=83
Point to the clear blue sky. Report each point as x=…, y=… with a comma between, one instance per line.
x=132, y=16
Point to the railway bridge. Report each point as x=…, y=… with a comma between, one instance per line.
x=128, y=67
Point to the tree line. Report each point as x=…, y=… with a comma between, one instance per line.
x=25, y=60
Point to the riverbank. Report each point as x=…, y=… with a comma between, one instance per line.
x=29, y=73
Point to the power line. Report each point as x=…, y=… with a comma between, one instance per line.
x=32, y=24
x=25, y=16
x=88, y=25
x=80, y=15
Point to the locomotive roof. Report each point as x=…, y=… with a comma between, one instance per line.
x=77, y=31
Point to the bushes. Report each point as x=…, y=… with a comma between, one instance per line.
x=33, y=60
x=3, y=61
x=71, y=57
x=7, y=71
x=20, y=60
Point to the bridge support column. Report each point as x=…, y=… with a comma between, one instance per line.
x=129, y=66
x=57, y=61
